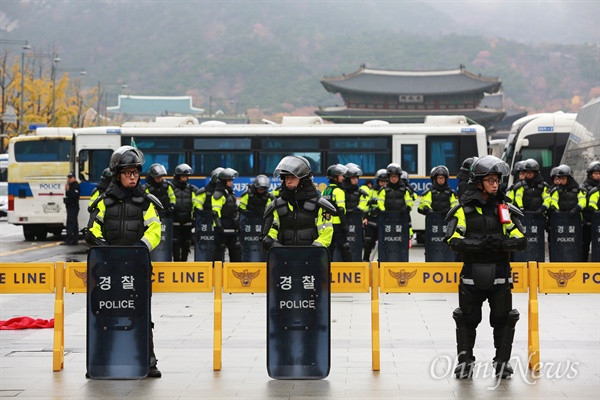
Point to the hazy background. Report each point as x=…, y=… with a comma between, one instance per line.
x=271, y=55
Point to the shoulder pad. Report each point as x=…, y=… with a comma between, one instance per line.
x=218, y=194
x=363, y=192
x=154, y=200
x=425, y=192
x=514, y=209
x=201, y=190
x=324, y=203
x=452, y=211
x=269, y=210
x=194, y=189
x=95, y=203
x=518, y=185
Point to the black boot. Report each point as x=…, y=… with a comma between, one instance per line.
x=154, y=372
x=503, y=340
x=465, y=341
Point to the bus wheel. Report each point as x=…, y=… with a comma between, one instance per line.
x=41, y=234
x=29, y=232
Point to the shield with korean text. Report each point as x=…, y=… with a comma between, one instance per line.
x=298, y=312
x=393, y=236
x=435, y=231
x=164, y=250
x=204, y=236
x=118, y=312
x=534, y=225
x=251, y=226
x=565, y=237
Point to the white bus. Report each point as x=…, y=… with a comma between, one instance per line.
x=38, y=165
x=583, y=146
x=254, y=149
x=542, y=137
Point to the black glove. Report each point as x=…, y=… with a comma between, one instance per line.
x=171, y=207
x=541, y=210
x=424, y=210
x=493, y=243
x=574, y=210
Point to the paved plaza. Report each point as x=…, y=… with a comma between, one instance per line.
x=417, y=350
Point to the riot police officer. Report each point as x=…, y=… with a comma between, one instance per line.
x=226, y=217
x=591, y=185
x=463, y=175
x=125, y=214
x=160, y=187
x=337, y=196
x=299, y=216
x=356, y=197
x=395, y=196
x=185, y=203
x=440, y=197
x=257, y=196
x=71, y=201
x=371, y=232
x=531, y=193
x=204, y=195
x=105, y=180
x=484, y=228
x=566, y=196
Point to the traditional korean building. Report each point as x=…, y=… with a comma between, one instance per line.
x=409, y=96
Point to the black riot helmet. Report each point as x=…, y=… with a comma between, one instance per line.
x=439, y=170
x=487, y=165
x=336, y=170
x=183, y=169
x=352, y=170
x=561, y=170
x=293, y=165
x=156, y=171
x=228, y=174
x=394, y=168
x=531, y=165
x=592, y=167
x=126, y=157
x=466, y=165
x=214, y=175
x=381, y=175
x=262, y=182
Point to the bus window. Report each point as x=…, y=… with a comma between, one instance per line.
x=203, y=163
x=42, y=150
x=369, y=153
x=167, y=160
x=450, y=151
x=409, y=158
x=269, y=161
x=92, y=163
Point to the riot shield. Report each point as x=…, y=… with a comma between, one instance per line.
x=298, y=313
x=118, y=312
x=534, y=225
x=565, y=237
x=251, y=225
x=393, y=236
x=435, y=230
x=204, y=237
x=164, y=250
x=595, y=243
x=355, y=234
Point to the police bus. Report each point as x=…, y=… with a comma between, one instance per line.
x=583, y=146
x=254, y=149
x=38, y=165
x=542, y=137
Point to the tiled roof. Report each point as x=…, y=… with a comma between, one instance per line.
x=387, y=82
x=155, y=105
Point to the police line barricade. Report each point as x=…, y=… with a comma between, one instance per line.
x=346, y=277
x=556, y=278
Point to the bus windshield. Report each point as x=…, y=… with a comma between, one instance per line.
x=42, y=150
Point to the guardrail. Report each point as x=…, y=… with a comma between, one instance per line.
x=360, y=277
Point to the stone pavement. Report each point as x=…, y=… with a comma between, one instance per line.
x=417, y=346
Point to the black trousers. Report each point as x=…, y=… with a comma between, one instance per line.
x=72, y=225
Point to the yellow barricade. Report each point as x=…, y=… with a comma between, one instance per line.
x=184, y=277
x=245, y=277
x=422, y=277
x=27, y=278
x=569, y=277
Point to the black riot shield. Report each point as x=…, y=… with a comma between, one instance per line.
x=251, y=225
x=298, y=313
x=534, y=225
x=435, y=231
x=204, y=237
x=355, y=234
x=164, y=250
x=595, y=243
x=565, y=237
x=393, y=236
x=118, y=312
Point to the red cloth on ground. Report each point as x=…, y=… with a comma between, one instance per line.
x=26, y=323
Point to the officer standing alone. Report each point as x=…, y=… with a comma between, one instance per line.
x=485, y=229
x=72, y=204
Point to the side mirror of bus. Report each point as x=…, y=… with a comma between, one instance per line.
x=525, y=143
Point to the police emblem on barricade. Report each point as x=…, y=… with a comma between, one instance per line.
x=565, y=237
x=118, y=312
x=596, y=237
x=251, y=225
x=393, y=236
x=204, y=236
x=164, y=250
x=435, y=230
x=403, y=277
x=534, y=225
x=562, y=277
x=298, y=313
